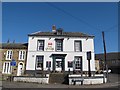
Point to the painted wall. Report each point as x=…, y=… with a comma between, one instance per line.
x=68, y=48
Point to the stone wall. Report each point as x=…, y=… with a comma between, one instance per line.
x=15, y=57
x=44, y=80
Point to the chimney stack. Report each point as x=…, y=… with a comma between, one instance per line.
x=8, y=41
x=53, y=28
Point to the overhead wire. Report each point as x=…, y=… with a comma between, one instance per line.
x=67, y=13
x=79, y=19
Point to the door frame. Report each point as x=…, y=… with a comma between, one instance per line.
x=18, y=68
x=58, y=56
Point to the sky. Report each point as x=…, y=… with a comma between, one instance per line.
x=22, y=18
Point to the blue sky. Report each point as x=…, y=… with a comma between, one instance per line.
x=20, y=19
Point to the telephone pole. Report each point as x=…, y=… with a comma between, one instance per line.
x=105, y=61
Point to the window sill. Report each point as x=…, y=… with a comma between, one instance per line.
x=21, y=59
x=9, y=59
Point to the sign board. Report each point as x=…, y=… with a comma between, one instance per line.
x=13, y=63
x=50, y=46
x=89, y=55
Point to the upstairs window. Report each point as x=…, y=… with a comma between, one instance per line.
x=59, y=45
x=40, y=45
x=9, y=55
x=78, y=46
x=22, y=54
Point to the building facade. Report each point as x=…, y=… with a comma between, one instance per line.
x=59, y=51
x=13, y=58
x=112, y=61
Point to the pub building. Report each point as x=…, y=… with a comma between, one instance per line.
x=59, y=51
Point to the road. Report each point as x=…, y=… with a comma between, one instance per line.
x=113, y=83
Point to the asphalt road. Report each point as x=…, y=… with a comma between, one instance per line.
x=113, y=83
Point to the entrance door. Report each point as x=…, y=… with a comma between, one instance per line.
x=58, y=64
x=20, y=69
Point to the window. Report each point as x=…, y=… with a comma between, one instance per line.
x=39, y=62
x=78, y=63
x=70, y=64
x=59, y=45
x=22, y=54
x=9, y=55
x=78, y=46
x=6, y=68
x=48, y=64
x=40, y=45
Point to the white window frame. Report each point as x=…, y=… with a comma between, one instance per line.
x=59, y=45
x=78, y=45
x=6, y=68
x=40, y=45
x=42, y=58
x=22, y=55
x=78, y=62
x=9, y=55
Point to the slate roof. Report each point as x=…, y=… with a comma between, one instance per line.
x=109, y=56
x=14, y=46
x=64, y=34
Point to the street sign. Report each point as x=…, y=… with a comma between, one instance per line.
x=13, y=63
x=89, y=58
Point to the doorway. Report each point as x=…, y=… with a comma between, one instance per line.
x=59, y=65
x=20, y=69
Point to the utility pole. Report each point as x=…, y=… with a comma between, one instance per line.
x=105, y=62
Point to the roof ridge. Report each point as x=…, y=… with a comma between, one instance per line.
x=36, y=32
x=72, y=34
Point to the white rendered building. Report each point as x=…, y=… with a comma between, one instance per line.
x=59, y=51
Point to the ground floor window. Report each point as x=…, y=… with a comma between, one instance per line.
x=48, y=64
x=70, y=64
x=39, y=62
x=78, y=63
x=6, y=68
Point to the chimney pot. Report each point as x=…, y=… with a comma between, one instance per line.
x=53, y=28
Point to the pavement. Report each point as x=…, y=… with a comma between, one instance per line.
x=113, y=83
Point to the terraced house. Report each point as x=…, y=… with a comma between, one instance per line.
x=13, y=58
x=59, y=51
